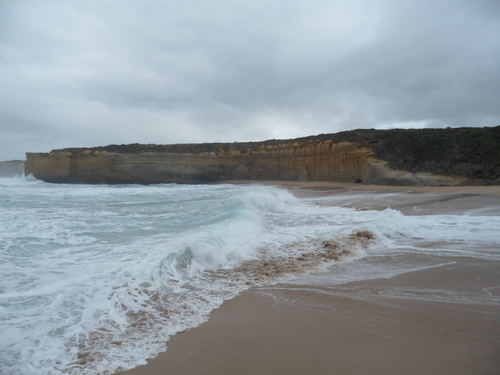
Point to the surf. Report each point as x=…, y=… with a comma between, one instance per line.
x=97, y=278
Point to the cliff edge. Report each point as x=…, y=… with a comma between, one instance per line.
x=451, y=156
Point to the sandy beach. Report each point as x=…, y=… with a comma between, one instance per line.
x=358, y=327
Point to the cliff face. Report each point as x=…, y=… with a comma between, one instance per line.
x=289, y=161
x=11, y=168
x=344, y=157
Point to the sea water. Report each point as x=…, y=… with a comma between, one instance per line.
x=96, y=278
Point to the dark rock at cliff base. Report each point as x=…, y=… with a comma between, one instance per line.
x=451, y=156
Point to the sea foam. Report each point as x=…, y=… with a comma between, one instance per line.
x=96, y=278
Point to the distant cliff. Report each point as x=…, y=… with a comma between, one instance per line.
x=11, y=168
x=452, y=156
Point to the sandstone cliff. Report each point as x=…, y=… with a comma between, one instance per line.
x=395, y=157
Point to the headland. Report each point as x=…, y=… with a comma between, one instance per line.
x=11, y=168
x=411, y=157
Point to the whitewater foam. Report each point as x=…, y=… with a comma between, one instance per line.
x=97, y=278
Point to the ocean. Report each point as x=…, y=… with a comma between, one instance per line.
x=97, y=278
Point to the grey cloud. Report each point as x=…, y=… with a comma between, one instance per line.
x=93, y=73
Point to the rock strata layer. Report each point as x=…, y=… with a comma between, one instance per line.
x=355, y=156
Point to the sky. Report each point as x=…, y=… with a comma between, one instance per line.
x=99, y=72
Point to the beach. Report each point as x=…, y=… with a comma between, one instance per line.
x=442, y=319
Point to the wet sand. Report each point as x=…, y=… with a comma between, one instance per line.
x=411, y=200
x=358, y=327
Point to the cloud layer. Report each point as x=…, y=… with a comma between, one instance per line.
x=121, y=71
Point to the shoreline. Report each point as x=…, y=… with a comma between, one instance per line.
x=297, y=329
x=313, y=187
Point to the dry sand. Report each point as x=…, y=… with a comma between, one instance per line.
x=287, y=329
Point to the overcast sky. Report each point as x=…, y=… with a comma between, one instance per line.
x=99, y=72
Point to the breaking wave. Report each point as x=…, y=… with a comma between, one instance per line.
x=95, y=279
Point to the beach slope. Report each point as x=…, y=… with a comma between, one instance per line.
x=411, y=323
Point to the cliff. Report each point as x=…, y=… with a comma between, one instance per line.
x=456, y=156
x=11, y=168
